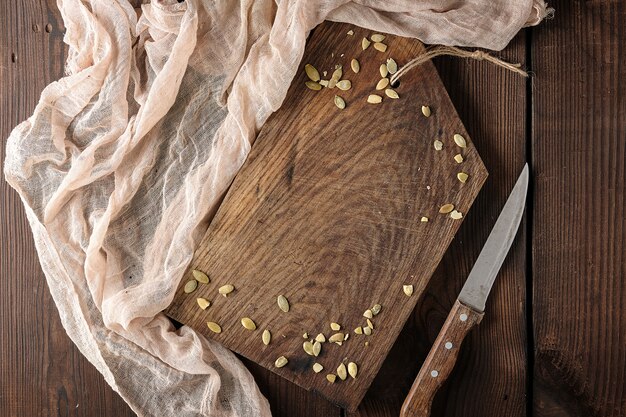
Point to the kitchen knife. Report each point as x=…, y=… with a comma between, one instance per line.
x=469, y=307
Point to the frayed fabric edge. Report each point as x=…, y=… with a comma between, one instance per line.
x=538, y=12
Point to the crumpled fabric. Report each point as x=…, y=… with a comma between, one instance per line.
x=125, y=159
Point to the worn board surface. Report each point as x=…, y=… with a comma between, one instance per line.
x=326, y=211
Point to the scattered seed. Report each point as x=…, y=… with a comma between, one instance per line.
x=339, y=343
x=350, y=32
x=334, y=79
x=248, y=323
x=458, y=158
x=408, y=290
x=339, y=102
x=391, y=93
x=280, y=362
x=335, y=326
x=370, y=324
x=311, y=72
x=426, y=111
x=344, y=85
x=324, y=83
x=438, y=145
x=331, y=378
x=337, y=337
x=365, y=44
x=191, y=286
x=374, y=99
x=462, y=176
x=377, y=37
x=446, y=208
x=376, y=309
x=200, y=276
x=424, y=219
x=456, y=215
x=226, y=289
x=382, y=84
x=312, y=85
x=367, y=331
x=305, y=335
x=308, y=348
x=317, y=348
x=320, y=338
x=384, y=71
x=460, y=141
x=353, y=369
x=366, y=343
x=358, y=330
x=356, y=67
x=283, y=303
x=380, y=47
x=266, y=337
x=392, y=66
x=203, y=303
x=214, y=327
x=317, y=368
x=346, y=337
x=368, y=314
x=342, y=372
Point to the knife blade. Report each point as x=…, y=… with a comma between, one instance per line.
x=468, y=310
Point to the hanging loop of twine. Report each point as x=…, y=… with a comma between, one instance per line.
x=454, y=51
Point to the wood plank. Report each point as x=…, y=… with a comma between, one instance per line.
x=490, y=377
x=42, y=373
x=286, y=398
x=327, y=209
x=579, y=230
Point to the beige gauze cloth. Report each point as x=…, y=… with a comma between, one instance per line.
x=124, y=162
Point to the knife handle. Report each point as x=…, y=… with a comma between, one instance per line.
x=440, y=360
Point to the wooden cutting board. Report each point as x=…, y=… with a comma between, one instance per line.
x=326, y=211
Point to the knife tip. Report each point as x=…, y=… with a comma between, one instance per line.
x=523, y=178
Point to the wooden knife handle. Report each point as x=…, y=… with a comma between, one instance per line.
x=440, y=360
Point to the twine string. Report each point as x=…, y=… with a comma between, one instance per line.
x=435, y=51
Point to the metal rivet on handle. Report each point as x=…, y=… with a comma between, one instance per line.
x=463, y=317
x=434, y=373
x=448, y=345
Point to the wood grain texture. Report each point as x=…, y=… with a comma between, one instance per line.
x=42, y=373
x=440, y=360
x=490, y=376
x=327, y=211
x=579, y=231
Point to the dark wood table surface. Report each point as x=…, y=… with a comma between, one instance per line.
x=553, y=341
